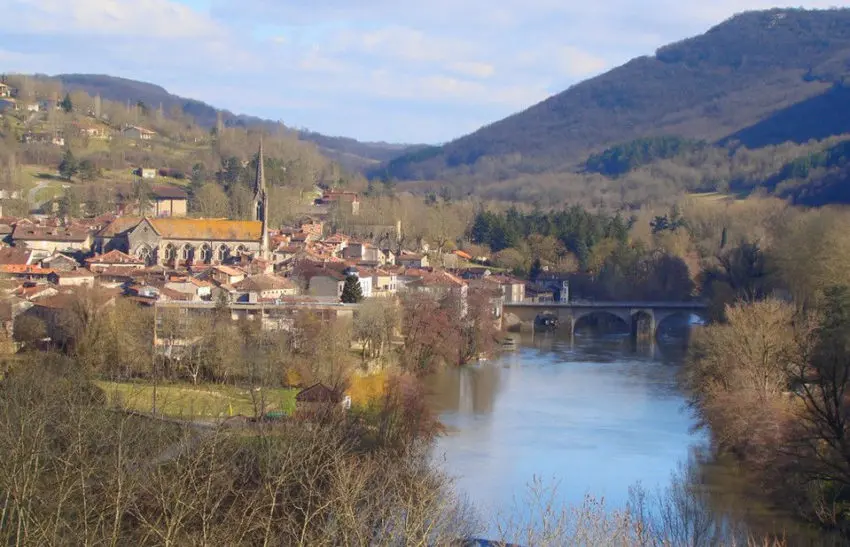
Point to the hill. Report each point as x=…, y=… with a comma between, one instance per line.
x=350, y=153
x=756, y=78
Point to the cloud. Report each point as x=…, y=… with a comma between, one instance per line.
x=136, y=18
x=375, y=69
x=472, y=68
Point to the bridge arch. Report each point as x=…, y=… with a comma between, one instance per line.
x=663, y=318
x=622, y=315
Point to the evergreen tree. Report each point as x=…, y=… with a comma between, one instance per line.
x=536, y=270
x=87, y=170
x=68, y=166
x=66, y=104
x=352, y=293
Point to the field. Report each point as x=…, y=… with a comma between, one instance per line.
x=192, y=402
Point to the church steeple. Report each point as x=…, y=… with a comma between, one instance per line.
x=261, y=202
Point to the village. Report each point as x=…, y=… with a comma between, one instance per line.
x=164, y=258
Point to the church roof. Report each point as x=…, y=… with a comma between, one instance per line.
x=214, y=229
x=208, y=229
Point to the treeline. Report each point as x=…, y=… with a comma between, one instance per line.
x=576, y=228
x=622, y=158
x=771, y=378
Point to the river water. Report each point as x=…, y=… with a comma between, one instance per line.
x=594, y=415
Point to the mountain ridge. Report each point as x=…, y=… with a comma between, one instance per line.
x=708, y=87
x=351, y=153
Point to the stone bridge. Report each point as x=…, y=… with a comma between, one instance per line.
x=568, y=314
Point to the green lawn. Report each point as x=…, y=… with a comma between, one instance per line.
x=202, y=401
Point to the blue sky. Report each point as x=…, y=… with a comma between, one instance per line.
x=394, y=70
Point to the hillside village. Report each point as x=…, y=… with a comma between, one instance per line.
x=162, y=257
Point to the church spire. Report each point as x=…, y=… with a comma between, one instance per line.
x=261, y=202
x=259, y=183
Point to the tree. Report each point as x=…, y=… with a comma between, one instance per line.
x=68, y=166
x=29, y=329
x=352, y=293
x=66, y=104
x=87, y=170
x=211, y=201
x=535, y=270
x=141, y=194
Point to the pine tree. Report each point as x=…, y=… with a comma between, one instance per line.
x=68, y=166
x=66, y=103
x=536, y=270
x=351, y=291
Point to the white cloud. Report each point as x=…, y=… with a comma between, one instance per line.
x=446, y=63
x=472, y=68
x=139, y=18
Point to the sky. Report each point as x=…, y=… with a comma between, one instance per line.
x=411, y=71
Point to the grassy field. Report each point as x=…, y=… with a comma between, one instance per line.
x=202, y=401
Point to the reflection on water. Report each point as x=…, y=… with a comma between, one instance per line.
x=593, y=414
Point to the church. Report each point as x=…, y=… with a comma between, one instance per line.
x=181, y=242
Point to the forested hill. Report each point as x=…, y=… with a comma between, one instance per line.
x=349, y=152
x=748, y=78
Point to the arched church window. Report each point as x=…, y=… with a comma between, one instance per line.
x=221, y=253
x=186, y=252
x=170, y=252
x=206, y=253
x=144, y=253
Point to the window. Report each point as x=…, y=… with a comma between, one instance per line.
x=170, y=252
x=186, y=252
x=206, y=253
x=221, y=253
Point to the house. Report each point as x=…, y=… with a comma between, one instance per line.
x=59, y=262
x=5, y=90
x=55, y=139
x=55, y=311
x=114, y=261
x=168, y=201
x=362, y=252
x=15, y=255
x=187, y=288
x=51, y=239
x=312, y=226
x=139, y=133
x=389, y=257
x=322, y=282
x=412, y=260
x=511, y=289
x=348, y=201
x=440, y=284
x=318, y=398
x=264, y=287
x=93, y=130
x=21, y=271
x=384, y=282
x=75, y=278
x=226, y=275
x=145, y=172
x=33, y=107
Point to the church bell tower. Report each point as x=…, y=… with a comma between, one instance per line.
x=261, y=203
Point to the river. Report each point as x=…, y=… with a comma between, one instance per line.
x=592, y=416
